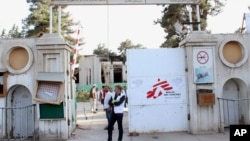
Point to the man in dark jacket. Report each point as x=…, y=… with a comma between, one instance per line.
x=117, y=103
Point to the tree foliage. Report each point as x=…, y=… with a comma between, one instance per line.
x=37, y=22
x=12, y=33
x=102, y=50
x=127, y=44
x=175, y=13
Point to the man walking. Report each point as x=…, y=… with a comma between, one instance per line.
x=93, y=98
x=117, y=103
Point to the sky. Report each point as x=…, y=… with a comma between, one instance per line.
x=113, y=24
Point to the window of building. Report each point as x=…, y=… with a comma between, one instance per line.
x=3, y=84
x=49, y=88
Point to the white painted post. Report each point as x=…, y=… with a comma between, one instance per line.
x=189, y=8
x=59, y=19
x=50, y=19
x=111, y=75
x=198, y=16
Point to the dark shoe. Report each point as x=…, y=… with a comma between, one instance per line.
x=119, y=140
x=94, y=112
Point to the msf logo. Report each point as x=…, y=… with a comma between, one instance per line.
x=158, y=89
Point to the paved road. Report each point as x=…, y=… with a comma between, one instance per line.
x=92, y=129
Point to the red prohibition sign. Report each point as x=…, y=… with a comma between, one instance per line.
x=202, y=57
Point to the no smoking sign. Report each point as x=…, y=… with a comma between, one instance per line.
x=202, y=57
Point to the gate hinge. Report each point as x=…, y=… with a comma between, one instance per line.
x=188, y=116
x=68, y=122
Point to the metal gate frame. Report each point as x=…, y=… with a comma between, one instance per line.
x=222, y=101
x=6, y=121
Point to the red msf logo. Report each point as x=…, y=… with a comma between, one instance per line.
x=160, y=86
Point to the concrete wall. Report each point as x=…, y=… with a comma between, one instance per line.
x=202, y=118
x=53, y=47
x=94, y=63
x=40, y=53
x=90, y=70
x=238, y=72
x=206, y=119
x=124, y=72
x=24, y=77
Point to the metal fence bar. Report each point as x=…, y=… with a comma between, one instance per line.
x=27, y=120
x=225, y=107
x=242, y=99
x=34, y=125
x=2, y=123
x=228, y=113
x=235, y=112
x=21, y=123
x=7, y=125
x=220, y=112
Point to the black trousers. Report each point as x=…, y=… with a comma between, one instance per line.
x=114, y=118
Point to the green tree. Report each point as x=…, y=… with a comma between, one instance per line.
x=102, y=50
x=176, y=13
x=37, y=22
x=127, y=44
x=3, y=33
x=12, y=33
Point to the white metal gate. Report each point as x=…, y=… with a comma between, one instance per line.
x=157, y=90
x=231, y=106
x=20, y=113
x=234, y=105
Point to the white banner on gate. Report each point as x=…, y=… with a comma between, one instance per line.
x=158, y=80
x=157, y=90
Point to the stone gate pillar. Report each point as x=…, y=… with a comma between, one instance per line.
x=200, y=68
x=53, y=88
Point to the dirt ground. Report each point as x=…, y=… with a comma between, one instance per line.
x=91, y=128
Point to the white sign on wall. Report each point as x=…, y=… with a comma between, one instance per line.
x=121, y=2
x=203, y=65
x=154, y=90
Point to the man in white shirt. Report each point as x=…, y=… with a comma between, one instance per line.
x=107, y=107
x=117, y=103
